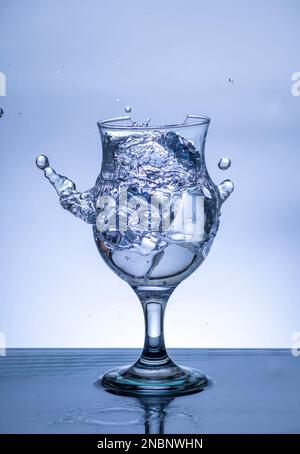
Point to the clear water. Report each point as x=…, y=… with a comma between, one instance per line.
x=148, y=164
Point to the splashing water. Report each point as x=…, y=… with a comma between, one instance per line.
x=146, y=122
x=224, y=163
x=81, y=204
x=145, y=163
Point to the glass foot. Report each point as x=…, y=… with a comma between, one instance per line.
x=141, y=379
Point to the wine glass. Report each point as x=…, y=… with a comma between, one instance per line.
x=155, y=212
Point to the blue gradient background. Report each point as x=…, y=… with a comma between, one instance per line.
x=66, y=63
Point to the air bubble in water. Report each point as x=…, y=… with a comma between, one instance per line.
x=42, y=162
x=127, y=109
x=230, y=80
x=1, y=112
x=224, y=163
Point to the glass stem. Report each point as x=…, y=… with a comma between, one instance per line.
x=154, y=301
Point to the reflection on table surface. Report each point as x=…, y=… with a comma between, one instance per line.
x=53, y=391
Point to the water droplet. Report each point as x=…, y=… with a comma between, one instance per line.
x=42, y=162
x=58, y=71
x=127, y=109
x=230, y=80
x=225, y=188
x=118, y=99
x=1, y=112
x=19, y=113
x=224, y=163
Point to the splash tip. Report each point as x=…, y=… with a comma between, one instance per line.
x=42, y=162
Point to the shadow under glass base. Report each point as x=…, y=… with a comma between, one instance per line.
x=142, y=379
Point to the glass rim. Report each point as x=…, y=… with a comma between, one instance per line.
x=113, y=123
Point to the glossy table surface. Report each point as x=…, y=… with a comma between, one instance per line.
x=53, y=391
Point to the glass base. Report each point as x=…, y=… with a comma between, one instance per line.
x=142, y=379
